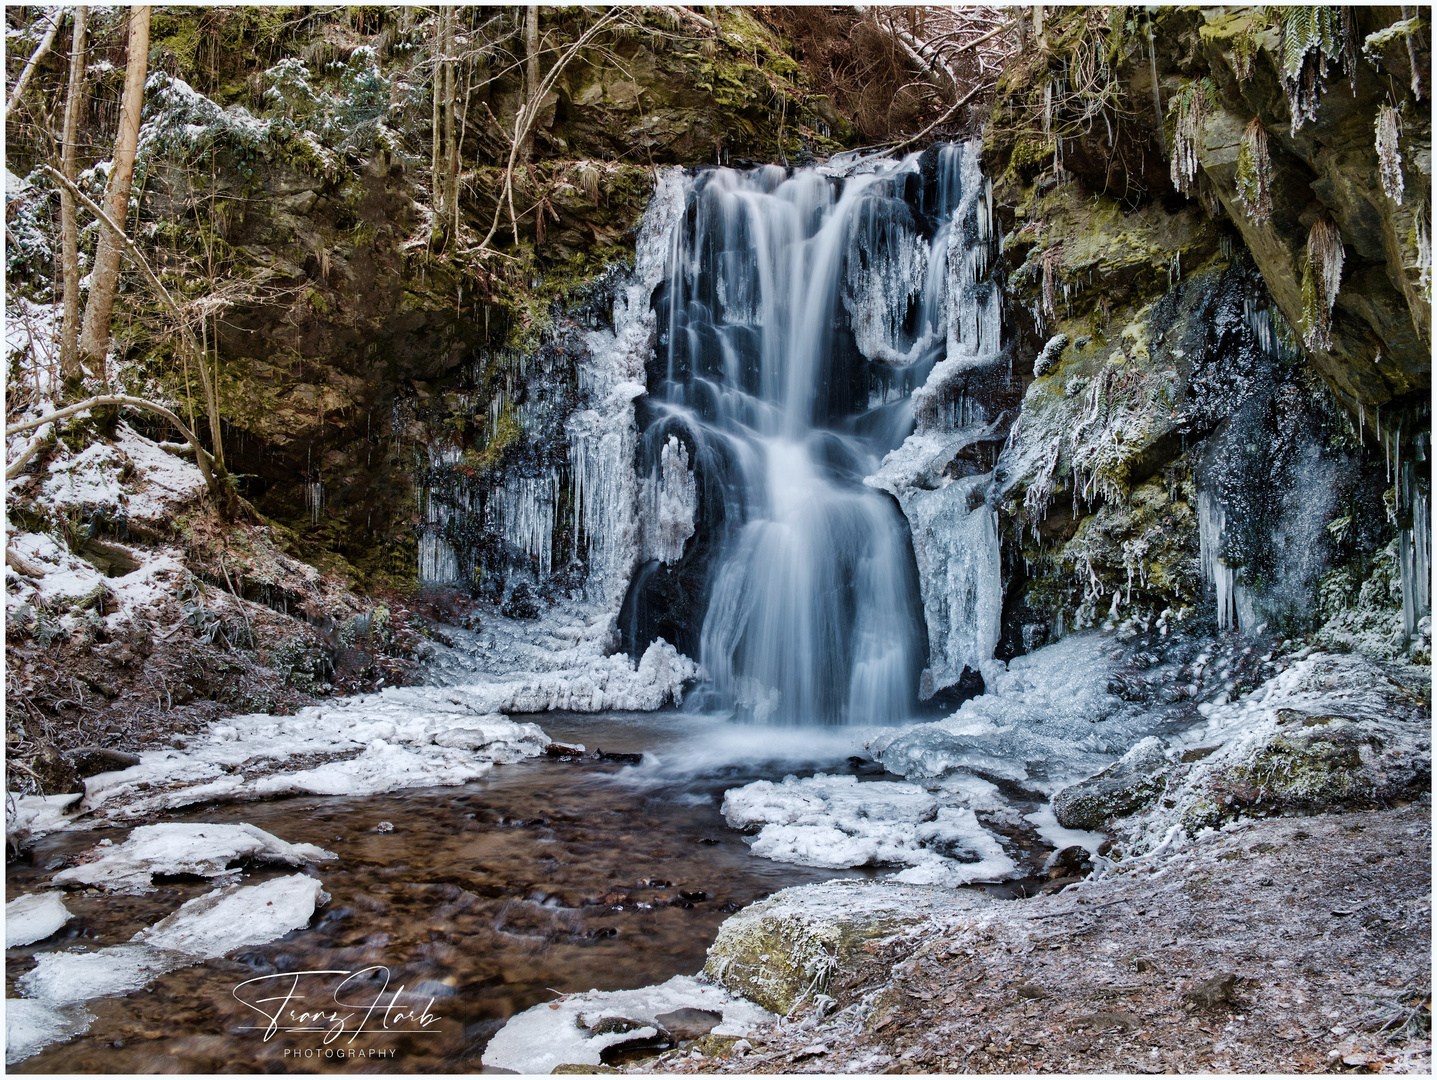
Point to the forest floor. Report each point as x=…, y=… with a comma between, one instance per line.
x=1286, y=945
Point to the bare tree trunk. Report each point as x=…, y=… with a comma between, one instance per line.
x=70, y=373
x=531, y=73
x=437, y=123
x=36, y=57
x=95, y=335
x=451, y=152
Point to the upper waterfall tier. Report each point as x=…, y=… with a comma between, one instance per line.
x=799, y=312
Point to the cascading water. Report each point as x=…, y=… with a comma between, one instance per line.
x=799, y=312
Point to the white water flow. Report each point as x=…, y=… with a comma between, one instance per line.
x=798, y=314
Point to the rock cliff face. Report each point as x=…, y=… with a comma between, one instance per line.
x=1207, y=436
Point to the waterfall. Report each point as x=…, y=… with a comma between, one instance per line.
x=794, y=305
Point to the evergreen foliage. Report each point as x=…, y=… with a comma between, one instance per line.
x=1312, y=36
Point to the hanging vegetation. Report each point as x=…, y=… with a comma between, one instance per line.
x=1244, y=55
x=1389, y=155
x=1189, y=108
x=1311, y=36
x=1321, y=278
x=1254, y=173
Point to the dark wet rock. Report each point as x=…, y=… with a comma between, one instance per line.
x=561, y=750
x=352, y=663
x=577, y=1070
x=616, y=1025
x=1130, y=784
x=627, y=759
x=522, y=603
x=1070, y=862
x=55, y=773
x=688, y=1023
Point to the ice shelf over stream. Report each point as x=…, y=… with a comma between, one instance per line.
x=56, y=989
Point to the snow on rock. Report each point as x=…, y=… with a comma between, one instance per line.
x=1046, y=722
x=131, y=477
x=561, y=1032
x=1333, y=732
x=65, y=577
x=203, y=850
x=34, y=917
x=204, y=928
x=835, y=821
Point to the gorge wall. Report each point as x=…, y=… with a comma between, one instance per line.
x=1183, y=427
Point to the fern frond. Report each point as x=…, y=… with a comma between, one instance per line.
x=1389, y=154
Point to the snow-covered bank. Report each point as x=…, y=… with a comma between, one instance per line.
x=403, y=737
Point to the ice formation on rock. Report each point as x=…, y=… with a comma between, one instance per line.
x=602, y=437
x=563, y=1032
x=835, y=821
x=1212, y=519
x=670, y=498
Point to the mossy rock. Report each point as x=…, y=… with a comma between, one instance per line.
x=583, y=1070
x=1130, y=784
x=794, y=946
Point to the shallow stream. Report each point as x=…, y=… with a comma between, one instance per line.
x=548, y=876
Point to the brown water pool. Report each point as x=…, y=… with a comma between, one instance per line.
x=545, y=877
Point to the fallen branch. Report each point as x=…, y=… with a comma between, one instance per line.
x=969, y=96
x=202, y=456
x=35, y=58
